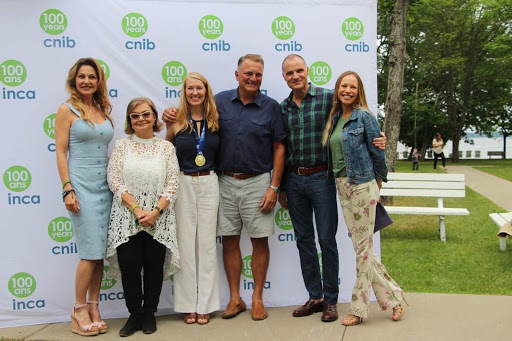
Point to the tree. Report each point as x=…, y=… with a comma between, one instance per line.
x=397, y=58
x=454, y=41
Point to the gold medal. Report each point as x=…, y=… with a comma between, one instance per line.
x=200, y=160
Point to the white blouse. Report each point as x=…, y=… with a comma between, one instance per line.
x=147, y=169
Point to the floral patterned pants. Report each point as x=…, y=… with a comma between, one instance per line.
x=358, y=203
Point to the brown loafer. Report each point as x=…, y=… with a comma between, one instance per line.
x=258, y=311
x=234, y=308
x=309, y=308
x=330, y=313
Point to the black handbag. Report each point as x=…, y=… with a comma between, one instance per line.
x=382, y=218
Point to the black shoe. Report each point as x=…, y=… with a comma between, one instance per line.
x=133, y=324
x=148, y=323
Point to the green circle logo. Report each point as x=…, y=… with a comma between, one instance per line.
x=282, y=219
x=283, y=28
x=246, y=267
x=134, y=25
x=105, y=68
x=22, y=284
x=60, y=229
x=106, y=281
x=17, y=178
x=49, y=126
x=174, y=73
x=211, y=27
x=53, y=21
x=320, y=73
x=12, y=72
x=352, y=28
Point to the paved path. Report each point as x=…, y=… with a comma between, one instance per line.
x=495, y=189
x=429, y=317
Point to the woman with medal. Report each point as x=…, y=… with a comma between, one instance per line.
x=195, y=135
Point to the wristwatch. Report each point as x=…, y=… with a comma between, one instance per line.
x=158, y=209
x=275, y=188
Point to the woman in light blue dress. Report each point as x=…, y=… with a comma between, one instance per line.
x=83, y=129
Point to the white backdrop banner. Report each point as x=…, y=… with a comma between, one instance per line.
x=147, y=48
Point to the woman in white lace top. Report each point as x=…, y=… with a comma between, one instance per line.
x=143, y=174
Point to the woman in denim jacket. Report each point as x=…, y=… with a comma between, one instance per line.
x=359, y=168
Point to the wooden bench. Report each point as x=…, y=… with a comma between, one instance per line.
x=426, y=185
x=501, y=219
x=489, y=154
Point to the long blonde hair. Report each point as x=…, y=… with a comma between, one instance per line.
x=360, y=102
x=210, y=108
x=100, y=97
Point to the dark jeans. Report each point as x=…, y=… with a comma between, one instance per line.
x=415, y=165
x=307, y=194
x=443, y=159
x=141, y=252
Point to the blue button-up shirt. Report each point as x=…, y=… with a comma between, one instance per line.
x=247, y=132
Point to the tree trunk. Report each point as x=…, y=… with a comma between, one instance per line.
x=397, y=57
x=395, y=89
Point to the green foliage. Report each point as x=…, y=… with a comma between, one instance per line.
x=459, y=73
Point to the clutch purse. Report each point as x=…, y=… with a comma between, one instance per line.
x=382, y=218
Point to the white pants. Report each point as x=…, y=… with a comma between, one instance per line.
x=196, y=284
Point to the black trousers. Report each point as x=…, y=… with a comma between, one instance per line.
x=141, y=252
x=443, y=159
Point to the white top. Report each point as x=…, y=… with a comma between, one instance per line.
x=147, y=169
x=438, y=145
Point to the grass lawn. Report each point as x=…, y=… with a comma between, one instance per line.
x=470, y=261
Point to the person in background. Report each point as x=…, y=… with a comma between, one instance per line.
x=196, y=137
x=415, y=159
x=143, y=174
x=360, y=168
x=83, y=130
x=438, y=144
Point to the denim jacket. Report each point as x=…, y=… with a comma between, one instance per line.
x=364, y=162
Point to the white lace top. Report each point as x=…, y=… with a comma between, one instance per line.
x=147, y=169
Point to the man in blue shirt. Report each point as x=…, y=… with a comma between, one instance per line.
x=251, y=133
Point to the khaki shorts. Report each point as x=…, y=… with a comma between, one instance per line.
x=240, y=206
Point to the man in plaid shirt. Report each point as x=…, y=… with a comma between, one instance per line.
x=308, y=186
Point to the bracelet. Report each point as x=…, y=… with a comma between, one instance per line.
x=134, y=207
x=160, y=211
x=65, y=193
x=65, y=183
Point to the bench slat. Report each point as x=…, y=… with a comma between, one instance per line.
x=436, y=193
x=426, y=184
x=426, y=210
x=426, y=177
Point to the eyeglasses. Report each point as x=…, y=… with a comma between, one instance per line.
x=136, y=116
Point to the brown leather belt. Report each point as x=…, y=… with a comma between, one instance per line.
x=308, y=171
x=241, y=176
x=197, y=173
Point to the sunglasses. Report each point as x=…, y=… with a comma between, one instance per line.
x=136, y=116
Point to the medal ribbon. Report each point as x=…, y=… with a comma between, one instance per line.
x=199, y=139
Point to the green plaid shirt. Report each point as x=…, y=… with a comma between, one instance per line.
x=305, y=126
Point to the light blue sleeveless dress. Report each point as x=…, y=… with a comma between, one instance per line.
x=87, y=164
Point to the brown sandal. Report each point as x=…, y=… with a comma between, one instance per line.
x=351, y=320
x=190, y=316
x=203, y=317
x=398, y=312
